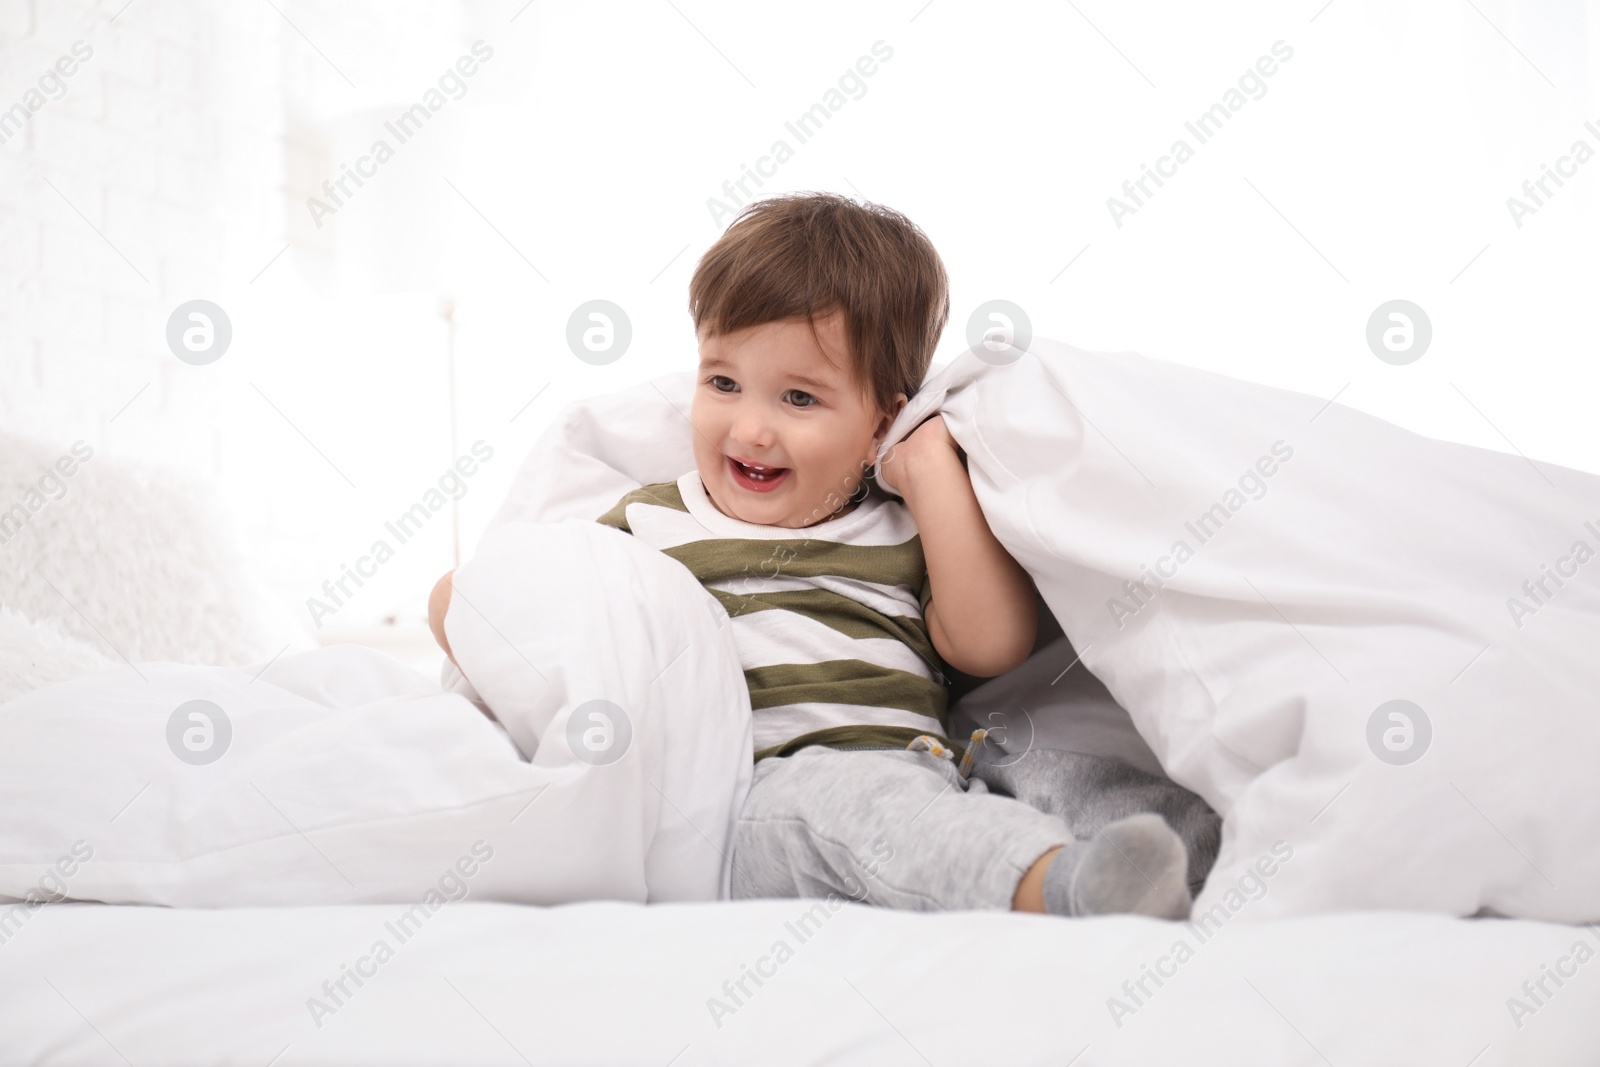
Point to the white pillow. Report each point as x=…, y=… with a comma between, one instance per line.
x=137, y=562
x=36, y=654
x=602, y=447
x=1347, y=564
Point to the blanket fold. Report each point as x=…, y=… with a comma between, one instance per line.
x=339, y=775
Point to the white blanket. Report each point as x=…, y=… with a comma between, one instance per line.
x=1331, y=565
x=1375, y=654
x=339, y=775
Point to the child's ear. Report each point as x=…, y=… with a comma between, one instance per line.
x=888, y=419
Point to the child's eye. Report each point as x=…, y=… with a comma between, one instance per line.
x=797, y=392
x=715, y=378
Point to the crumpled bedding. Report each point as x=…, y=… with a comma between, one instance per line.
x=1372, y=652
x=1342, y=635
x=339, y=775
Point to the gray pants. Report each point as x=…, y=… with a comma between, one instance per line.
x=1089, y=792
x=901, y=829
x=891, y=827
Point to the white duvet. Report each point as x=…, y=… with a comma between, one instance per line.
x=1309, y=614
x=1336, y=564
x=340, y=775
x=1375, y=651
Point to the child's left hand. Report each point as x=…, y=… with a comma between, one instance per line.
x=930, y=437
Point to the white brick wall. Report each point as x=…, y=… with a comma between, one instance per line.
x=168, y=143
x=176, y=166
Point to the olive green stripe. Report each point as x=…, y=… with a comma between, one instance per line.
x=800, y=556
x=845, y=681
x=660, y=494
x=858, y=737
x=837, y=612
x=618, y=516
x=841, y=681
x=722, y=558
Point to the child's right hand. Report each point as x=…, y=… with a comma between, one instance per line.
x=929, y=437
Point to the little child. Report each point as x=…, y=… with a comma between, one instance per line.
x=817, y=319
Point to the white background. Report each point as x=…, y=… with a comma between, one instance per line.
x=581, y=160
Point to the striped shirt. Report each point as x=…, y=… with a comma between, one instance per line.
x=828, y=620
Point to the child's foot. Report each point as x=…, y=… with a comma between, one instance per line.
x=1136, y=865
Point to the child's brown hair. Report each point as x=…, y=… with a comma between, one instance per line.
x=806, y=255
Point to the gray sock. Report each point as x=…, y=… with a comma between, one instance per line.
x=1089, y=792
x=1135, y=865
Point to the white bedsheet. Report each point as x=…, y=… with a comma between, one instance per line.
x=611, y=983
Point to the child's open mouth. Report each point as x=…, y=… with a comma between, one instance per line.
x=757, y=479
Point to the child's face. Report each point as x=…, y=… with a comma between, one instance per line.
x=752, y=401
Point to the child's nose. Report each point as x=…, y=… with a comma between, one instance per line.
x=753, y=432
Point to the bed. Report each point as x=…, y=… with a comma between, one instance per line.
x=619, y=983
x=1360, y=911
